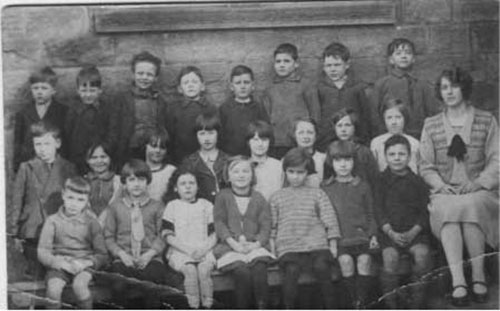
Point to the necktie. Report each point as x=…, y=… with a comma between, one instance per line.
x=137, y=230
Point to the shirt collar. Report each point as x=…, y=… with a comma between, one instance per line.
x=150, y=93
x=106, y=177
x=187, y=101
x=401, y=73
x=144, y=200
x=355, y=180
x=327, y=81
x=249, y=101
x=295, y=76
x=80, y=218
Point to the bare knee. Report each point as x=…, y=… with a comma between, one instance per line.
x=391, y=259
x=346, y=265
x=81, y=285
x=205, y=269
x=364, y=264
x=189, y=271
x=55, y=288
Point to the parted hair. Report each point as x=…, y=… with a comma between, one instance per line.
x=41, y=128
x=135, y=167
x=77, y=184
x=262, y=128
x=287, y=48
x=240, y=70
x=398, y=42
x=299, y=157
x=232, y=162
x=337, y=49
x=45, y=75
x=457, y=77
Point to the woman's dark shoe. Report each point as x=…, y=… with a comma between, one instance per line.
x=461, y=301
x=482, y=297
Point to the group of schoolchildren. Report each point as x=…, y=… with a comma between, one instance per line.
x=151, y=188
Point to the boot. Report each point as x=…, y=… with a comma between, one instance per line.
x=350, y=284
x=389, y=282
x=364, y=285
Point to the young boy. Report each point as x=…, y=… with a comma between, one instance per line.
x=239, y=110
x=139, y=110
x=43, y=108
x=37, y=192
x=401, y=83
x=71, y=243
x=290, y=96
x=404, y=220
x=132, y=235
x=208, y=162
x=88, y=119
x=304, y=229
x=338, y=88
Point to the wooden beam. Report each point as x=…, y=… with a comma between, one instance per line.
x=206, y=16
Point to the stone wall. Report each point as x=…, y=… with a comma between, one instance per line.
x=446, y=32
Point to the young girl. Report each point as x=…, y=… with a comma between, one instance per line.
x=156, y=158
x=268, y=171
x=105, y=185
x=395, y=114
x=183, y=113
x=352, y=198
x=188, y=228
x=304, y=229
x=208, y=162
x=243, y=224
x=304, y=134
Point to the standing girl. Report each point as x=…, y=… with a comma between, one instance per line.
x=105, y=185
x=243, y=224
x=188, y=228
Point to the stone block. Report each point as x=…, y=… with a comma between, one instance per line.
x=424, y=11
x=484, y=36
x=449, y=39
x=485, y=67
x=85, y=49
x=431, y=66
x=474, y=10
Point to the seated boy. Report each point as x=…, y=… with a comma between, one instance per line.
x=88, y=119
x=43, y=108
x=132, y=236
x=289, y=97
x=404, y=220
x=71, y=244
x=37, y=192
x=402, y=83
x=239, y=111
x=338, y=88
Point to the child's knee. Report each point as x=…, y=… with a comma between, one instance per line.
x=421, y=256
x=55, y=288
x=205, y=269
x=391, y=259
x=346, y=265
x=189, y=270
x=364, y=264
x=81, y=285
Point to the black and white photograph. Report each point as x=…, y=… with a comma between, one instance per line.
x=248, y=154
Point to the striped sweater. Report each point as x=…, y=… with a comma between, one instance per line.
x=303, y=220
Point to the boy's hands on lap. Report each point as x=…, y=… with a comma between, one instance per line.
x=144, y=259
x=398, y=238
x=126, y=259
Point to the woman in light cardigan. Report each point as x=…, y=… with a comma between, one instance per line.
x=459, y=161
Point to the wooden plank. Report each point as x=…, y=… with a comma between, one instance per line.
x=205, y=16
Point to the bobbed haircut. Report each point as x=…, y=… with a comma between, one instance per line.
x=295, y=123
x=287, y=48
x=147, y=57
x=298, y=156
x=135, y=167
x=340, y=149
x=398, y=104
x=158, y=138
x=171, y=194
x=345, y=112
x=337, y=49
x=77, y=184
x=41, y=128
x=89, y=74
x=187, y=70
x=93, y=147
x=399, y=42
x=207, y=121
x=43, y=75
x=232, y=162
x=241, y=70
x=397, y=139
x=262, y=128
x=457, y=77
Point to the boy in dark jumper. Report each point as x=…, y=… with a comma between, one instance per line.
x=239, y=111
x=43, y=108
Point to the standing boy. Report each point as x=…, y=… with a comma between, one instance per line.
x=88, y=119
x=37, y=192
x=71, y=244
x=239, y=111
x=43, y=108
x=289, y=97
x=338, y=88
x=402, y=83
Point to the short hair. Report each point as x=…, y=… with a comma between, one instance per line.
x=337, y=49
x=208, y=121
x=457, y=77
x=307, y=119
x=241, y=70
x=77, y=184
x=232, y=161
x=261, y=128
x=299, y=157
x=44, y=75
x=187, y=70
x=397, y=139
x=171, y=194
x=340, y=149
x=135, y=167
x=147, y=57
x=89, y=74
x=399, y=104
x=287, y=48
x=93, y=147
x=159, y=138
x=398, y=42
x=41, y=128
x=344, y=112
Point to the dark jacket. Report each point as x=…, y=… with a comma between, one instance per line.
x=23, y=140
x=235, y=118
